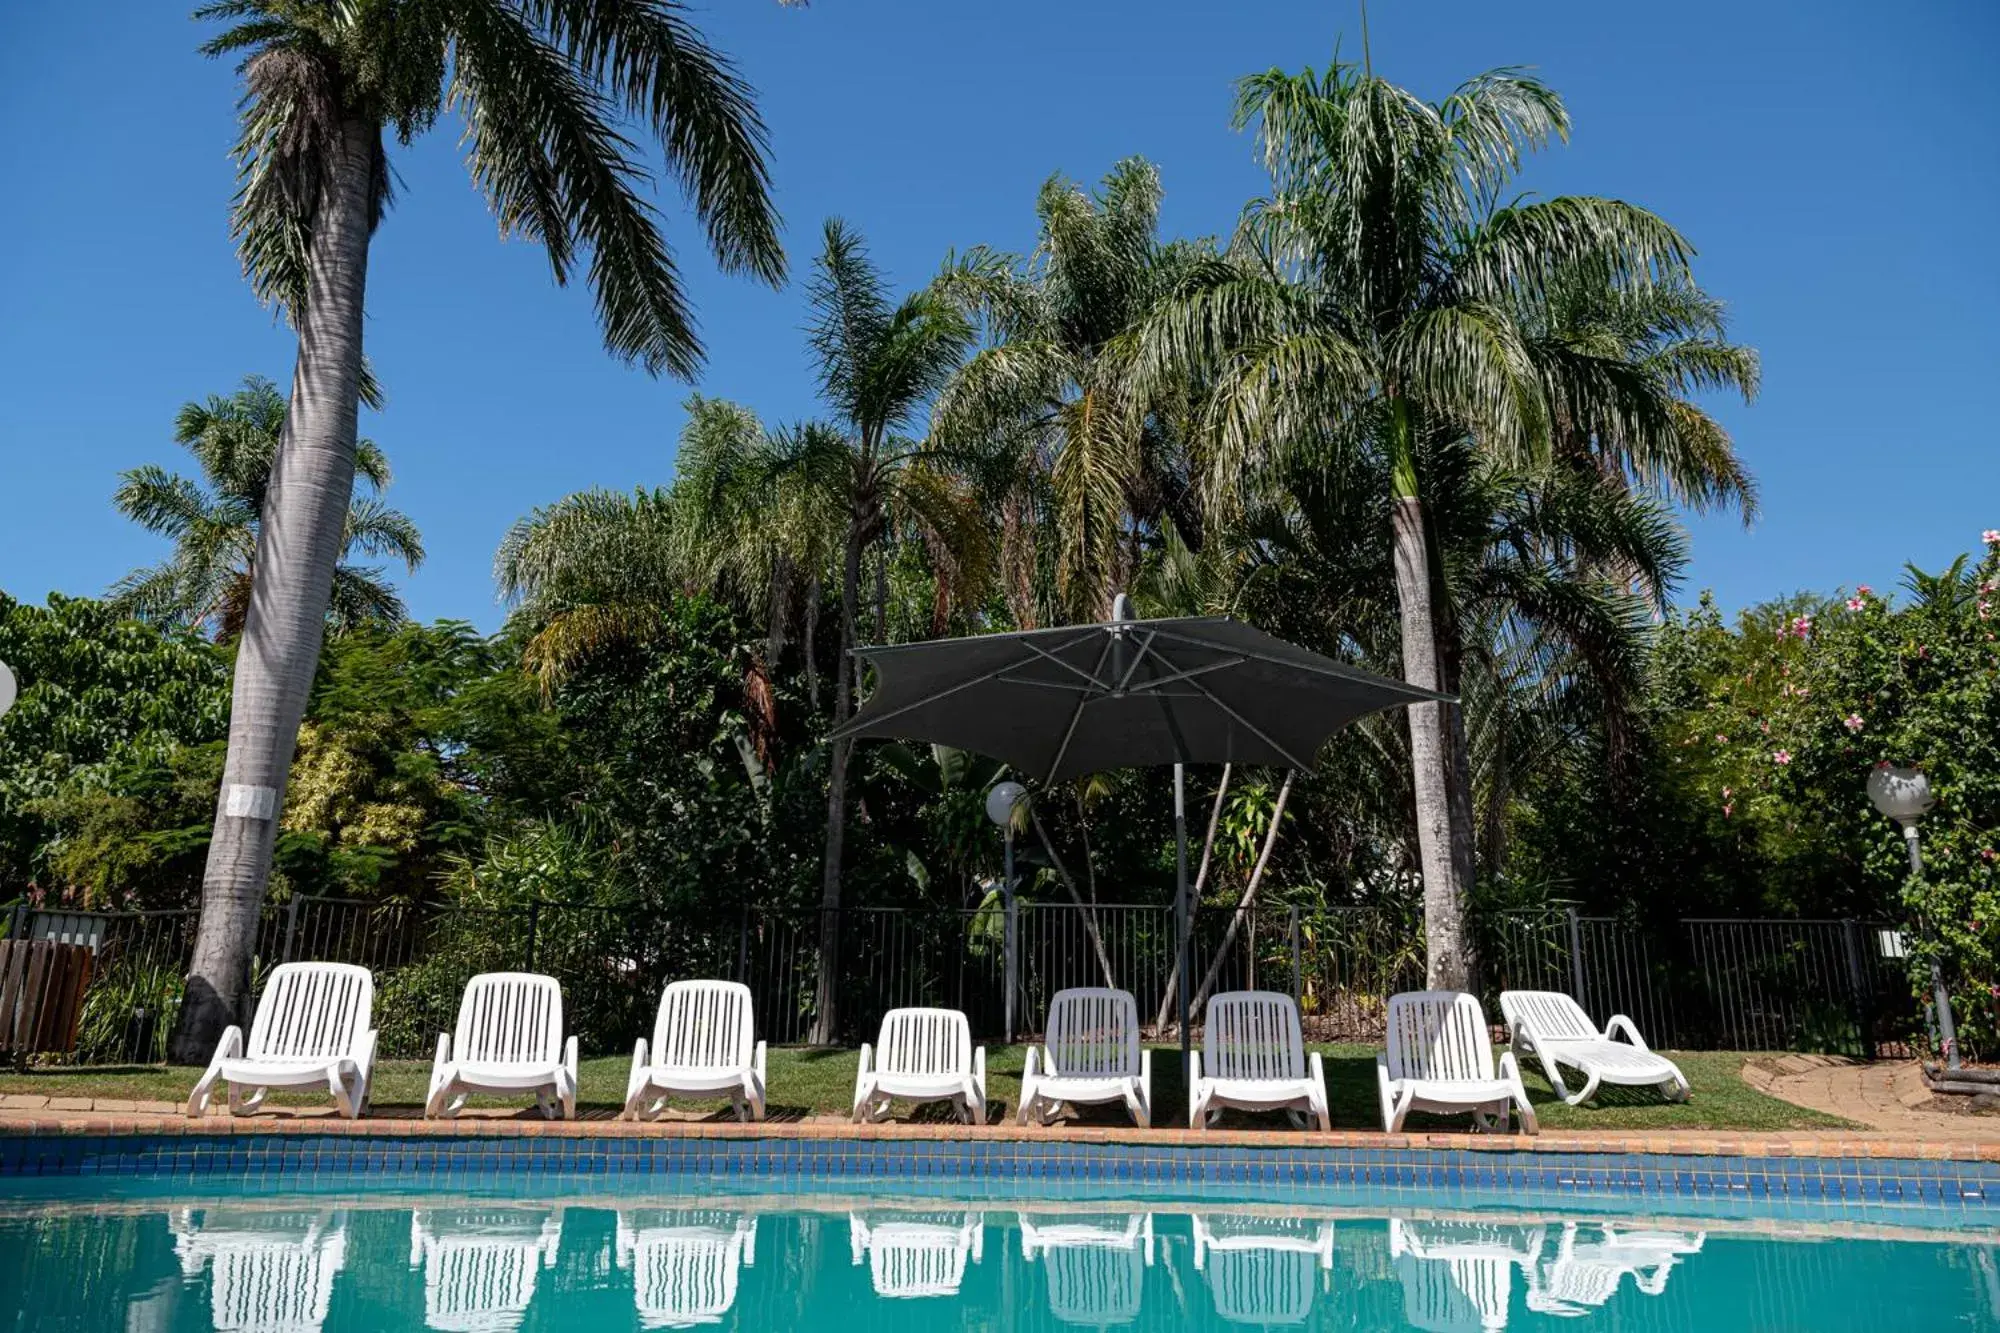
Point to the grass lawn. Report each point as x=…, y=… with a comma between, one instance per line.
x=813, y=1081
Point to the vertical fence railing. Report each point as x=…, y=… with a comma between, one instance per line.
x=1824, y=985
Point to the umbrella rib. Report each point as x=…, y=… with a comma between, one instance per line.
x=1255, y=730
x=1091, y=675
x=1337, y=670
x=1152, y=686
x=853, y=726
x=1138, y=657
x=1069, y=732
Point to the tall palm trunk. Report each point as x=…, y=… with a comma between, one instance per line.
x=826, y=1017
x=1449, y=963
x=298, y=544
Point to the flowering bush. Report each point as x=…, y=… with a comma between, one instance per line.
x=1781, y=720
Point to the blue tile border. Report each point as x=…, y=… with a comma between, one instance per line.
x=1944, y=1192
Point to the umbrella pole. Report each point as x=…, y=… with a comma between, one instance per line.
x=1181, y=901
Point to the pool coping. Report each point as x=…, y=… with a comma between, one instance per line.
x=1717, y=1143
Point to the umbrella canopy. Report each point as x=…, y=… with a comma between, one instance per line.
x=1058, y=703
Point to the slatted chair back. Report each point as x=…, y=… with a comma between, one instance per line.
x=1438, y=1034
x=1253, y=1034
x=704, y=1025
x=510, y=1018
x=687, y=1273
x=1549, y=1015
x=924, y=1041
x=1261, y=1286
x=903, y=1267
x=311, y=1011
x=1093, y=1285
x=1093, y=1033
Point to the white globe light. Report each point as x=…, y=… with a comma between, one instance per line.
x=1000, y=802
x=1900, y=793
x=9, y=691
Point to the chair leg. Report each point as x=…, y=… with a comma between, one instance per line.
x=1588, y=1090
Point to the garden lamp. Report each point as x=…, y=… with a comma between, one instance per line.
x=1001, y=802
x=1904, y=794
x=9, y=691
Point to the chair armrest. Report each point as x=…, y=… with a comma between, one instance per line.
x=229, y=1048
x=861, y=1071
x=1521, y=1037
x=443, y=1056
x=1510, y=1067
x=1032, y=1066
x=1620, y=1023
x=1316, y=1067
x=570, y=1057
x=758, y=1058
x=364, y=1052
x=979, y=1067
x=1146, y=1072
x=1193, y=1069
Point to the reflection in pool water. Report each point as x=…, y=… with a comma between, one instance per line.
x=489, y=1267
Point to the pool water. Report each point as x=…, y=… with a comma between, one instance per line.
x=811, y=1265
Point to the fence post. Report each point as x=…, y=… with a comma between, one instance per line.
x=743, y=947
x=1859, y=989
x=18, y=930
x=1292, y=938
x=1576, y=956
x=291, y=928
x=534, y=922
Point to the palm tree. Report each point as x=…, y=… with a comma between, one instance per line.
x=551, y=95
x=881, y=363
x=213, y=523
x=1074, y=446
x=1377, y=293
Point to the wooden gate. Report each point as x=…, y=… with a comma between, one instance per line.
x=41, y=996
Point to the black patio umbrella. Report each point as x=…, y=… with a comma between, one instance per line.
x=1059, y=703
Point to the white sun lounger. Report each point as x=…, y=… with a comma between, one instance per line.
x=267, y=1270
x=1096, y=1263
x=1458, y=1277
x=1439, y=1059
x=480, y=1264
x=312, y=1029
x=1585, y=1274
x=923, y=1055
x=1553, y=1028
x=1262, y=1269
x=509, y=1039
x=917, y=1255
x=685, y=1263
x=704, y=1045
x=1254, y=1057
x=1090, y=1055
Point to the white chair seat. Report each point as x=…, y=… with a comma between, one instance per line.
x=921, y=1055
x=312, y=1028
x=509, y=1039
x=1089, y=1055
x=1439, y=1058
x=1254, y=1057
x=1552, y=1027
x=704, y=1044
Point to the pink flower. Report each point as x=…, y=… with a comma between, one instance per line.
x=1864, y=590
x=1985, y=610
x=1781, y=756
x=1991, y=536
x=1853, y=721
x=1728, y=792
x=1802, y=625
x=1728, y=809
x=1856, y=603
x=1721, y=739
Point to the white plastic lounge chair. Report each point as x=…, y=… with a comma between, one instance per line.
x=1439, y=1059
x=684, y=1262
x=312, y=1029
x=704, y=1045
x=1458, y=1277
x=1096, y=1264
x=1089, y=1055
x=480, y=1264
x=1262, y=1269
x=1254, y=1057
x=923, y=1055
x=1552, y=1027
x=269, y=1271
x=1584, y=1274
x=509, y=1039
x=917, y=1255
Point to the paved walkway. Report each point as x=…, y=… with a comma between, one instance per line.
x=1888, y=1096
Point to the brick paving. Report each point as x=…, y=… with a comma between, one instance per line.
x=1887, y=1096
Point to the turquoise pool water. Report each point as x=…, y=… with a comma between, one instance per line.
x=817, y=1263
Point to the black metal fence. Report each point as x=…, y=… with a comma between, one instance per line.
x=1699, y=983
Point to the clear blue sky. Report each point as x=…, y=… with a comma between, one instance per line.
x=1837, y=165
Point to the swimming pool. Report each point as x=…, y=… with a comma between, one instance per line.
x=348, y=1265
x=354, y=1231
